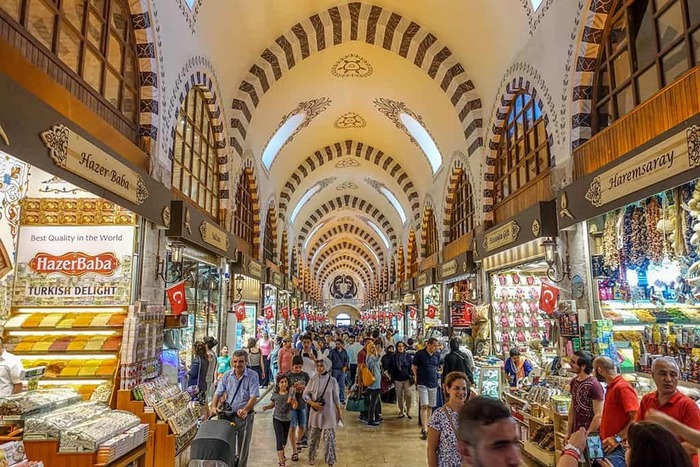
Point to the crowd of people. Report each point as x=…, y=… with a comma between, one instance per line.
x=316, y=373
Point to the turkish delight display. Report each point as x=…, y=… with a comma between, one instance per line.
x=87, y=436
x=51, y=424
x=34, y=402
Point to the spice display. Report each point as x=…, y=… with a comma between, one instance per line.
x=610, y=241
x=639, y=241
x=655, y=237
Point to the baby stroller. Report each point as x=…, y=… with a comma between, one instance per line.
x=214, y=445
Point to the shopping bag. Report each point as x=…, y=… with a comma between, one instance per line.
x=367, y=377
x=356, y=404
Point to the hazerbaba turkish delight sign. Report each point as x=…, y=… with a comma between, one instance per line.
x=73, y=266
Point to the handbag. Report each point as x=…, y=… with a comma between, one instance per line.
x=368, y=378
x=193, y=390
x=320, y=399
x=356, y=403
x=386, y=385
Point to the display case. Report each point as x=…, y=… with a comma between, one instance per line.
x=489, y=380
x=78, y=346
x=50, y=425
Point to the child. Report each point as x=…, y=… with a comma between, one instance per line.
x=283, y=402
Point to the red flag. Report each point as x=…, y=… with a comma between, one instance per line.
x=295, y=312
x=240, y=311
x=177, y=298
x=432, y=311
x=285, y=313
x=269, y=314
x=412, y=312
x=399, y=315
x=548, y=298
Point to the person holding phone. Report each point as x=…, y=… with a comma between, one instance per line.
x=323, y=396
x=586, y=407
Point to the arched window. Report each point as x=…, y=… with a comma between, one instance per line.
x=92, y=39
x=646, y=46
x=462, y=208
x=431, y=236
x=243, y=221
x=523, y=154
x=412, y=254
x=401, y=264
x=195, y=165
x=268, y=240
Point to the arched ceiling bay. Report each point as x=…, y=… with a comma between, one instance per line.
x=352, y=179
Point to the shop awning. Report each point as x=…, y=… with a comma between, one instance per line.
x=191, y=224
x=39, y=135
x=667, y=161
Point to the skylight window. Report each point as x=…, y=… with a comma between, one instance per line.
x=280, y=138
x=190, y=3
x=307, y=196
x=313, y=232
x=379, y=232
x=371, y=250
x=536, y=4
x=424, y=140
x=394, y=202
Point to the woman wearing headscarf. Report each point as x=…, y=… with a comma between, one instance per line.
x=322, y=395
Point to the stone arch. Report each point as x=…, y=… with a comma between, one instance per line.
x=357, y=21
x=411, y=254
x=400, y=260
x=586, y=58
x=349, y=202
x=345, y=268
x=271, y=214
x=428, y=208
x=353, y=312
x=513, y=87
x=284, y=253
x=202, y=80
x=247, y=174
x=350, y=148
x=458, y=165
x=348, y=229
x=347, y=262
x=345, y=246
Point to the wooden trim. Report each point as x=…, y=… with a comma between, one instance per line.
x=38, y=83
x=457, y=247
x=538, y=190
x=671, y=106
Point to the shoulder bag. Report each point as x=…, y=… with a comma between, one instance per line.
x=368, y=378
x=320, y=399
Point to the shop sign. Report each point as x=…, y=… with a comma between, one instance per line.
x=61, y=266
x=74, y=153
x=677, y=154
x=449, y=269
x=277, y=279
x=502, y=236
x=255, y=269
x=422, y=280
x=214, y=236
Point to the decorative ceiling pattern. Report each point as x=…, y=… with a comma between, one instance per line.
x=351, y=229
x=346, y=151
x=393, y=109
x=345, y=186
x=352, y=66
x=351, y=202
x=347, y=163
x=357, y=21
x=345, y=261
x=345, y=246
x=344, y=266
x=350, y=120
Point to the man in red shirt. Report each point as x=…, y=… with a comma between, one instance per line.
x=619, y=410
x=669, y=400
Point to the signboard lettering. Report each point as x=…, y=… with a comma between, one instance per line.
x=254, y=269
x=449, y=269
x=677, y=154
x=74, y=264
x=504, y=235
x=214, y=236
x=422, y=280
x=74, y=153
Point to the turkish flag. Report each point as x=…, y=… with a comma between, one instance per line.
x=548, y=298
x=240, y=311
x=269, y=314
x=399, y=315
x=177, y=298
x=295, y=312
x=285, y=313
x=432, y=311
x=412, y=312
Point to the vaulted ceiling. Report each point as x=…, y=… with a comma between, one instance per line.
x=351, y=181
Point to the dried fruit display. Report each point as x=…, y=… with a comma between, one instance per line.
x=656, y=238
x=638, y=249
x=610, y=243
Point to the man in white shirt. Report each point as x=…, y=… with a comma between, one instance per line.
x=354, y=349
x=10, y=370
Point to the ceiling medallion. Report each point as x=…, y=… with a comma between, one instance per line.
x=350, y=120
x=346, y=186
x=346, y=163
x=352, y=66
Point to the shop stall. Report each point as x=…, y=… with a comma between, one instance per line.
x=197, y=273
x=270, y=319
x=284, y=298
x=248, y=276
x=522, y=298
x=294, y=304
x=76, y=214
x=430, y=300
x=458, y=280
x=410, y=307
x=641, y=217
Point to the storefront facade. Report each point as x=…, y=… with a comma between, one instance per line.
x=248, y=276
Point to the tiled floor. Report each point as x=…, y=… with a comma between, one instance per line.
x=395, y=442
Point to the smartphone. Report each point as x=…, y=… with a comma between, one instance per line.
x=595, y=447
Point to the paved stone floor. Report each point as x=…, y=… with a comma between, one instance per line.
x=395, y=442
